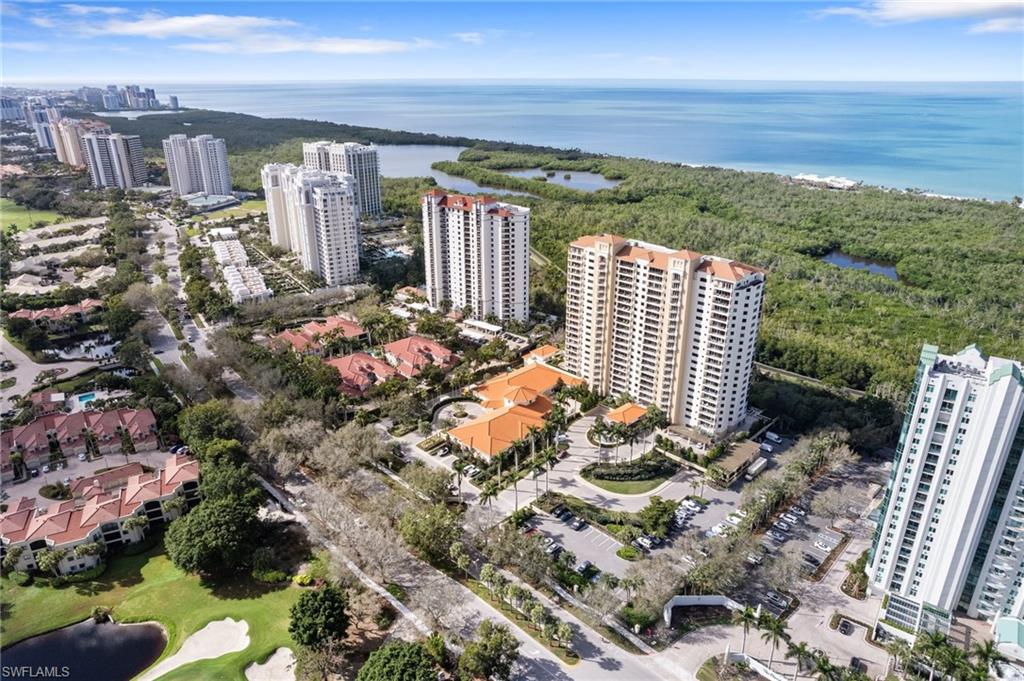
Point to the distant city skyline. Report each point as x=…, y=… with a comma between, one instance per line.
x=878, y=40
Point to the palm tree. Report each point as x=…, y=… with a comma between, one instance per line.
x=773, y=630
x=823, y=667
x=900, y=652
x=488, y=494
x=953, y=662
x=929, y=645
x=748, y=618
x=987, y=656
x=802, y=653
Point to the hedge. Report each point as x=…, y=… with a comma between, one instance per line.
x=648, y=467
x=628, y=553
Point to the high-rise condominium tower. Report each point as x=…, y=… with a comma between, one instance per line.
x=196, y=165
x=477, y=254
x=671, y=328
x=315, y=214
x=359, y=160
x=69, y=132
x=114, y=160
x=40, y=118
x=949, y=537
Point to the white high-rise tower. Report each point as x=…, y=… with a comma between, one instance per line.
x=477, y=255
x=196, y=165
x=949, y=537
x=359, y=160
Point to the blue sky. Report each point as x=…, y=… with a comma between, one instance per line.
x=873, y=40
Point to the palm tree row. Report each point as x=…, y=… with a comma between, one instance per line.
x=521, y=600
x=934, y=650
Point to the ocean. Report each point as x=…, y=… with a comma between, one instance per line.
x=960, y=139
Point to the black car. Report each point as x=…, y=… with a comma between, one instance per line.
x=34, y=472
x=578, y=524
x=846, y=629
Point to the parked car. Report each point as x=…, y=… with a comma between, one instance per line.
x=644, y=542
x=772, y=437
x=46, y=468
x=578, y=524
x=776, y=599
x=557, y=510
x=566, y=516
x=776, y=535
x=755, y=558
x=34, y=472
x=822, y=546
x=845, y=628
x=654, y=539
x=798, y=511
x=583, y=567
x=733, y=519
x=811, y=559
x=782, y=526
x=790, y=518
x=67, y=480
x=553, y=550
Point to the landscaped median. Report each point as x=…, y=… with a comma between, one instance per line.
x=148, y=587
x=654, y=519
x=642, y=475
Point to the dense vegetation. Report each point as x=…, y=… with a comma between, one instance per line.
x=959, y=262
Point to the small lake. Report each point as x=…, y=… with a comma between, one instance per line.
x=582, y=180
x=414, y=160
x=852, y=262
x=88, y=651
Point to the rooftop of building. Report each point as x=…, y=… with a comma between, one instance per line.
x=538, y=377
x=973, y=363
x=627, y=414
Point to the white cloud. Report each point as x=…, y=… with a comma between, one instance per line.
x=82, y=10
x=905, y=11
x=470, y=37
x=42, y=21
x=274, y=44
x=155, y=25
x=999, y=25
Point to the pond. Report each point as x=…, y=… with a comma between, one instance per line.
x=840, y=259
x=88, y=651
x=573, y=179
x=414, y=160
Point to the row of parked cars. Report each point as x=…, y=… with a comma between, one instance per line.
x=566, y=516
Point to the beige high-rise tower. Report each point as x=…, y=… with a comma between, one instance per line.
x=671, y=328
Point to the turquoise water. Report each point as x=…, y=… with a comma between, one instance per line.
x=86, y=398
x=947, y=138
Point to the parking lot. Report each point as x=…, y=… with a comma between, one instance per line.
x=75, y=469
x=587, y=544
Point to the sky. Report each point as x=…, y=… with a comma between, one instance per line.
x=179, y=42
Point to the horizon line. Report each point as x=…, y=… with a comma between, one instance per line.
x=12, y=82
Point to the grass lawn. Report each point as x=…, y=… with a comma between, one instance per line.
x=7, y=383
x=629, y=486
x=241, y=210
x=21, y=217
x=148, y=587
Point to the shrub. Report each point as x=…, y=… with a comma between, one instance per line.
x=628, y=553
x=21, y=578
x=647, y=467
x=268, y=576
x=636, y=617
x=87, y=575
x=520, y=517
x=302, y=579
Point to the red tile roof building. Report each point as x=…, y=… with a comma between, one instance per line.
x=308, y=339
x=68, y=432
x=99, y=516
x=65, y=315
x=413, y=354
x=359, y=372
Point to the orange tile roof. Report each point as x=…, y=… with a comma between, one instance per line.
x=139, y=424
x=311, y=333
x=84, y=307
x=730, y=270
x=541, y=352
x=360, y=371
x=68, y=521
x=413, y=354
x=629, y=413
x=658, y=258
x=493, y=433
x=590, y=240
x=538, y=377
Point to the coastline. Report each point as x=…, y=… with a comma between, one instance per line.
x=118, y=120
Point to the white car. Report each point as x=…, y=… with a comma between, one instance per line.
x=46, y=468
x=755, y=558
x=82, y=456
x=822, y=546
x=733, y=519
x=782, y=526
x=796, y=510
x=790, y=518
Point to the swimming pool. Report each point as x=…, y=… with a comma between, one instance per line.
x=85, y=398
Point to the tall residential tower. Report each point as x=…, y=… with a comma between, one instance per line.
x=949, y=537
x=358, y=160
x=671, y=328
x=477, y=255
x=315, y=214
x=197, y=165
x=114, y=160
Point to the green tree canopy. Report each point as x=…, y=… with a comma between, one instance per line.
x=491, y=654
x=319, y=616
x=398, y=661
x=216, y=538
